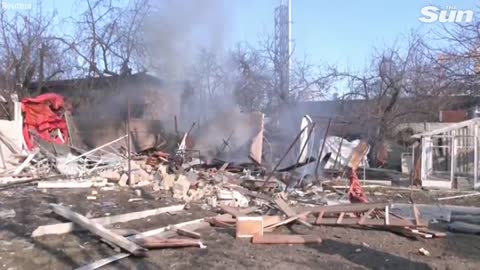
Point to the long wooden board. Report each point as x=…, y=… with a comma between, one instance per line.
x=286, y=239
x=290, y=212
x=99, y=230
x=62, y=228
x=353, y=207
x=163, y=232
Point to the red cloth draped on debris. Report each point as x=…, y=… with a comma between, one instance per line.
x=356, y=191
x=44, y=115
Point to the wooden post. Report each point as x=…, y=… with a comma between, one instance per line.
x=453, y=161
x=129, y=142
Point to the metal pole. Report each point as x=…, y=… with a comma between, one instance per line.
x=176, y=125
x=93, y=150
x=289, y=41
x=129, y=154
x=321, y=149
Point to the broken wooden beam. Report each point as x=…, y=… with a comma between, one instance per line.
x=286, y=239
x=25, y=163
x=61, y=228
x=163, y=232
x=270, y=220
x=99, y=230
x=288, y=220
x=186, y=232
x=282, y=205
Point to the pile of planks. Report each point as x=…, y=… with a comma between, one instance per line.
x=134, y=243
x=366, y=215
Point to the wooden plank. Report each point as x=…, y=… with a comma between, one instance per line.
x=289, y=211
x=163, y=232
x=218, y=222
x=365, y=216
x=354, y=207
x=367, y=222
x=412, y=233
x=286, y=239
x=99, y=230
x=124, y=232
x=416, y=215
x=320, y=216
x=340, y=217
x=285, y=207
x=224, y=166
x=270, y=220
x=25, y=163
x=66, y=184
x=421, y=234
x=61, y=228
x=387, y=215
x=432, y=232
x=156, y=242
x=288, y=220
x=188, y=233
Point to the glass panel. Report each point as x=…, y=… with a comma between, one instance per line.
x=441, y=159
x=464, y=163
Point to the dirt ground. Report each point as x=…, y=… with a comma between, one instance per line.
x=342, y=248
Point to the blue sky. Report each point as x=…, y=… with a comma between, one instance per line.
x=341, y=32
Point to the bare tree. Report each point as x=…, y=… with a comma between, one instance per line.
x=254, y=78
x=27, y=53
x=457, y=55
x=400, y=85
x=259, y=86
x=108, y=37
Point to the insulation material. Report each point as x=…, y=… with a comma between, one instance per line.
x=332, y=145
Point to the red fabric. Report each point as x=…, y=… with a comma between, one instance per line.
x=43, y=114
x=356, y=191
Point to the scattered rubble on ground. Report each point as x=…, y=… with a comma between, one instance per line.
x=252, y=199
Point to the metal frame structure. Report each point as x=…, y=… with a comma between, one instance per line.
x=458, y=144
x=283, y=44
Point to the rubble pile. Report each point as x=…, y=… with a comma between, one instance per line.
x=253, y=195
